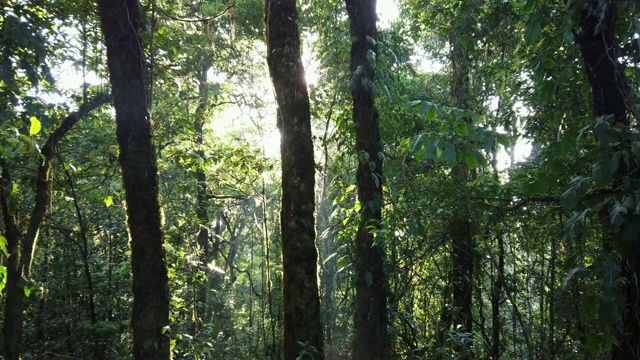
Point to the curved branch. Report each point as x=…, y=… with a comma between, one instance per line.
x=195, y=20
x=43, y=193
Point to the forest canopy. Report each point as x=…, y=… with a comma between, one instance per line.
x=321, y=179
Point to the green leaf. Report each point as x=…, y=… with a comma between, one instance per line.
x=533, y=31
x=371, y=57
x=575, y=222
x=603, y=170
x=578, y=272
x=108, y=201
x=368, y=278
x=618, y=215
x=450, y=151
x=35, y=126
x=27, y=291
x=431, y=147
x=429, y=109
x=531, y=5
x=569, y=199
x=461, y=130
x=3, y=245
x=470, y=159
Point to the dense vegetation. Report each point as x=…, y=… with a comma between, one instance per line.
x=404, y=156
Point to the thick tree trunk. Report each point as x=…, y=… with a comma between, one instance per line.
x=302, y=324
x=610, y=88
x=613, y=96
x=371, y=340
x=121, y=22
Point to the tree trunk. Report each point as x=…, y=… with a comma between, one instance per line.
x=613, y=96
x=371, y=340
x=204, y=253
x=302, y=324
x=121, y=22
x=496, y=301
x=461, y=227
x=14, y=302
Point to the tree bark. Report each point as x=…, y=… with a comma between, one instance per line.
x=613, y=96
x=460, y=226
x=204, y=248
x=302, y=323
x=121, y=23
x=371, y=340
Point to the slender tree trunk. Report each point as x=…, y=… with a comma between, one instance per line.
x=461, y=227
x=327, y=256
x=14, y=302
x=84, y=247
x=204, y=248
x=121, y=23
x=496, y=302
x=302, y=323
x=613, y=96
x=371, y=340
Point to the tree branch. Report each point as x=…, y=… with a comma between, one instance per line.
x=194, y=20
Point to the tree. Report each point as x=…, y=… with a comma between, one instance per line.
x=121, y=23
x=615, y=105
x=302, y=324
x=371, y=339
x=21, y=244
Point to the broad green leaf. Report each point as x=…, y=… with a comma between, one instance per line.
x=532, y=32
x=412, y=104
x=569, y=199
x=431, y=147
x=35, y=126
x=603, y=170
x=108, y=201
x=450, y=152
x=371, y=57
x=3, y=245
x=618, y=215
x=579, y=272
x=432, y=112
x=415, y=142
x=531, y=5
x=461, y=130
x=575, y=222
x=470, y=159
x=27, y=291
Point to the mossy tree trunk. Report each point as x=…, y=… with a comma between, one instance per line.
x=371, y=340
x=613, y=97
x=302, y=323
x=121, y=22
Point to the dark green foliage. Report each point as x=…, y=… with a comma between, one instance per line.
x=553, y=236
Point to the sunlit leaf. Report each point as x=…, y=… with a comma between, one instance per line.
x=35, y=126
x=3, y=245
